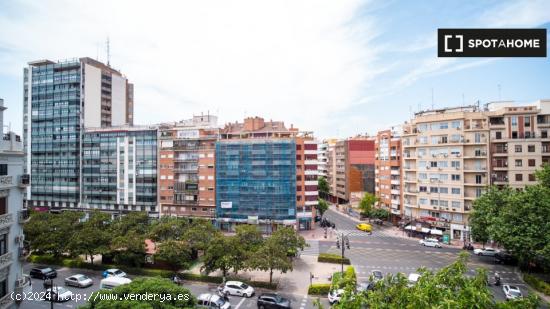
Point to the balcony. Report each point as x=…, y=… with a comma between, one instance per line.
x=5, y=259
x=6, y=181
x=24, y=216
x=394, y=172
x=394, y=191
x=24, y=180
x=6, y=220
x=23, y=285
x=395, y=182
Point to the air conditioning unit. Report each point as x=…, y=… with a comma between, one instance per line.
x=457, y=168
x=434, y=155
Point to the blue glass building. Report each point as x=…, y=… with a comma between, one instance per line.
x=256, y=182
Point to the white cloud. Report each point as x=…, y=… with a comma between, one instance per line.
x=297, y=61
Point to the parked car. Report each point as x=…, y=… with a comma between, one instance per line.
x=430, y=242
x=113, y=272
x=377, y=275
x=365, y=227
x=485, y=251
x=58, y=294
x=236, y=288
x=511, y=292
x=505, y=258
x=80, y=281
x=272, y=300
x=112, y=282
x=43, y=273
x=208, y=300
x=378, y=221
x=334, y=296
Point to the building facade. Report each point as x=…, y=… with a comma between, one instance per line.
x=187, y=167
x=322, y=159
x=353, y=173
x=445, y=167
x=119, y=170
x=12, y=216
x=60, y=99
x=388, y=172
x=266, y=174
x=519, y=141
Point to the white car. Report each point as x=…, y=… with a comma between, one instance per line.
x=80, y=281
x=511, y=292
x=236, y=288
x=430, y=242
x=334, y=296
x=413, y=279
x=59, y=294
x=113, y=272
x=207, y=300
x=485, y=251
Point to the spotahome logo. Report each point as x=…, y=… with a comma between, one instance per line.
x=491, y=42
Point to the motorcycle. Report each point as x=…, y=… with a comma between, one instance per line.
x=468, y=247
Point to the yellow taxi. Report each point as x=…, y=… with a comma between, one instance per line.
x=365, y=227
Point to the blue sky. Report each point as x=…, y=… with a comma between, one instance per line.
x=338, y=68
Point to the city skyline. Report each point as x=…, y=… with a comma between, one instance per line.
x=352, y=66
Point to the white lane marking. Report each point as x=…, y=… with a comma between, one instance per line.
x=240, y=303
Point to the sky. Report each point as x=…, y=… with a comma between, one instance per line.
x=337, y=68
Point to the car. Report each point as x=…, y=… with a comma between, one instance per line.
x=58, y=294
x=112, y=282
x=80, y=281
x=413, y=278
x=207, y=300
x=485, y=251
x=430, y=242
x=511, y=292
x=377, y=275
x=236, y=288
x=113, y=272
x=364, y=287
x=272, y=300
x=505, y=258
x=365, y=227
x=334, y=296
x=43, y=273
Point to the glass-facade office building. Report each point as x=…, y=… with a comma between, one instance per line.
x=119, y=170
x=255, y=183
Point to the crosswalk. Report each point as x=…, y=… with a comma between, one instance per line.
x=312, y=249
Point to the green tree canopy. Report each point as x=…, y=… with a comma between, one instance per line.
x=271, y=256
x=167, y=228
x=129, y=249
x=367, y=203
x=93, y=236
x=51, y=232
x=174, y=296
x=199, y=234
x=250, y=237
x=322, y=186
x=222, y=254
x=321, y=206
x=176, y=253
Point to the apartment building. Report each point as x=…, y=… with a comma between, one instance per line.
x=519, y=141
x=322, y=158
x=12, y=216
x=266, y=174
x=445, y=167
x=187, y=167
x=353, y=173
x=387, y=166
x=119, y=170
x=61, y=98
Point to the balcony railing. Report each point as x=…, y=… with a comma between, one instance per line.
x=23, y=285
x=5, y=259
x=6, y=220
x=6, y=181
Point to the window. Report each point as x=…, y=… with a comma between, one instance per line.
x=423, y=189
x=434, y=202
x=455, y=204
x=455, y=190
x=444, y=190
x=544, y=134
x=514, y=120
x=527, y=121
x=519, y=177
x=433, y=189
x=455, y=124
x=498, y=135
x=478, y=179
x=455, y=164
x=3, y=205
x=530, y=148
x=519, y=163
x=423, y=201
x=455, y=177
x=531, y=162
x=518, y=148
x=532, y=177
x=3, y=169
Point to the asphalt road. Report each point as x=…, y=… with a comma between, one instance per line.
x=390, y=254
x=196, y=288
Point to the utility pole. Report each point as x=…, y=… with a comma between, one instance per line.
x=342, y=242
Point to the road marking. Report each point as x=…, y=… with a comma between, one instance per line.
x=240, y=303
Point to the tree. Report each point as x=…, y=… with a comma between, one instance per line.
x=249, y=236
x=172, y=296
x=366, y=204
x=129, y=249
x=198, y=234
x=51, y=232
x=221, y=255
x=447, y=288
x=167, y=228
x=132, y=222
x=321, y=206
x=93, y=236
x=289, y=240
x=323, y=187
x=543, y=175
x=486, y=209
x=175, y=253
x=271, y=256
x=379, y=213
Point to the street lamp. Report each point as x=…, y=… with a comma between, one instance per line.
x=342, y=242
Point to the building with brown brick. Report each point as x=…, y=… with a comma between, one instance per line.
x=388, y=172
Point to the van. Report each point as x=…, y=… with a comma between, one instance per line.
x=112, y=282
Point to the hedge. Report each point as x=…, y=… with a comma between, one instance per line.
x=537, y=284
x=319, y=289
x=219, y=280
x=332, y=258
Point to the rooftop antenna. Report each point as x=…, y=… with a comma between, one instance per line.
x=107, y=46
